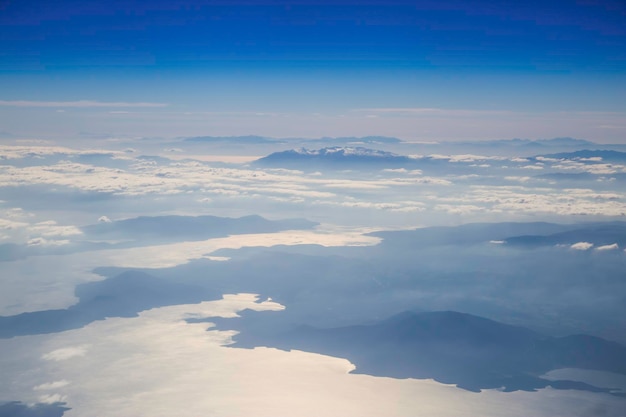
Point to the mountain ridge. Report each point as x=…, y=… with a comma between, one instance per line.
x=451, y=347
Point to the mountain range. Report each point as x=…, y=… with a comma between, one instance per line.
x=471, y=352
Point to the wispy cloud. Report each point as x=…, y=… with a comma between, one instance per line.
x=52, y=385
x=400, y=110
x=608, y=247
x=52, y=398
x=78, y=103
x=431, y=111
x=66, y=353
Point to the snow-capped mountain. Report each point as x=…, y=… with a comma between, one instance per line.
x=332, y=156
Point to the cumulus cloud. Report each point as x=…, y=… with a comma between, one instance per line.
x=582, y=246
x=104, y=219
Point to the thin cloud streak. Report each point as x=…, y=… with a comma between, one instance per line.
x=486, y=112
x=432, y=110
x=78, y=103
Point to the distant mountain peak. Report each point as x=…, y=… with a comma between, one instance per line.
x=345, y=151
x=240, y=140
x=364, y=139
x=565, y=141
x=334, y=155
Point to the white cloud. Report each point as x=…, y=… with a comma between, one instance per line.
x=6, y=224
x=595, y=168
x=17, y=213
x=351, y=184
x=545, y=159
x=614, y=246
x=396, y=170
x=518, y=179
x=582, y=246
x=23, y=151
x=104, y=219
x=51, y=385
x=15, y=225
x=52, y=398
x=66, y=353
x=145, y=177
x=474, y=158
x=50, y=228
x=423, y=180
x=400, y=206
x=40, y=241
x=462, y=209
x=520, y=200
x=217, y=258
x=150, y=177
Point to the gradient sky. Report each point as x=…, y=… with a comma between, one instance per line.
x=426, y=70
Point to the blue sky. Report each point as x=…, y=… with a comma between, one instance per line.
x=306, y=58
